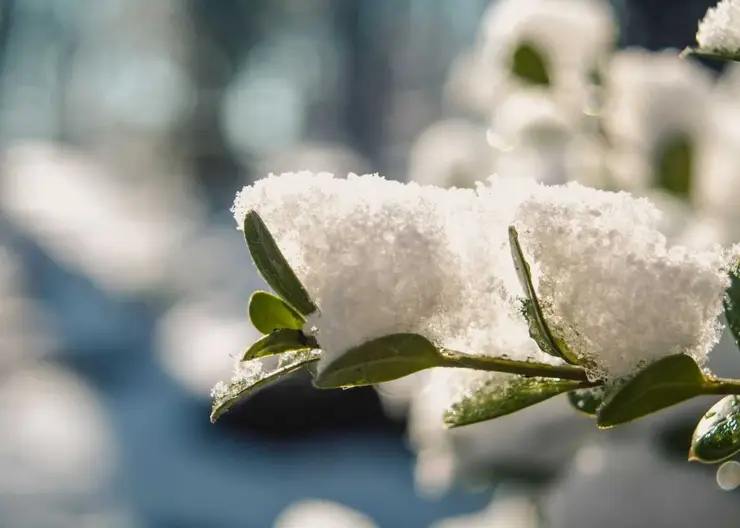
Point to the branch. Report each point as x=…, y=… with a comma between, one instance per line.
x=525, y=368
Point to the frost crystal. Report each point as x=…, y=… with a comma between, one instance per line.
x=609, y=284
x=250, y=376
x=245, y=373
x=719, y=30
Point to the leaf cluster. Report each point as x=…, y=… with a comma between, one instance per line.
x=281, y=318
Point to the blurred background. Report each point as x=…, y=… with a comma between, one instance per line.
x=126, y=128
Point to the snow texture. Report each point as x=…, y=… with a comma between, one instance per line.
x=609, y=284
x=249, y=375
x=719, y=30
x=381, y=257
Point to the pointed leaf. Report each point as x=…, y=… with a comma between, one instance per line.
x=272, y=264
x=501, y=397
x=282, y=340
x=528, y=63
x=717, y=436
x=538, y=327
x=664, y=383
x=224, y=399
x=384, y=359
x=710, y=54
x=269, y=312
x=587, y=401
x=731, y=305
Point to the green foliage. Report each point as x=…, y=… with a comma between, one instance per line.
x=674, y=166
x=538, y=327
x=383, y=359
x=499, y=398
x=240, y=389
x=710, y=55
x=279, y=341
x=731, y=304
x=269, y=313
x=529, y=64
x=520, y=384
x=588, y=401
x=664, y=383
x=717, y=436
x=272, y=265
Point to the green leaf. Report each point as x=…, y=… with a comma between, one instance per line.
x=269, y=312
x=240, y=389
x=272, y=265
x=731, y=305
x=664, y=383
x=281, y=340
x=538, y=327
x=384, y=359
x=529, y=64
x=587, y=401
x=717, y=436
x=710, y=54
x=674, y=166
x=498, y=398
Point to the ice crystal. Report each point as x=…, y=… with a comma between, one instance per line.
x=249, y=376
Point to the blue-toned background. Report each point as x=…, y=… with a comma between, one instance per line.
x=126, y=127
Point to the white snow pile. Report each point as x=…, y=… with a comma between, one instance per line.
x=381, y=257
x=719, y=30
x=610, y=286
